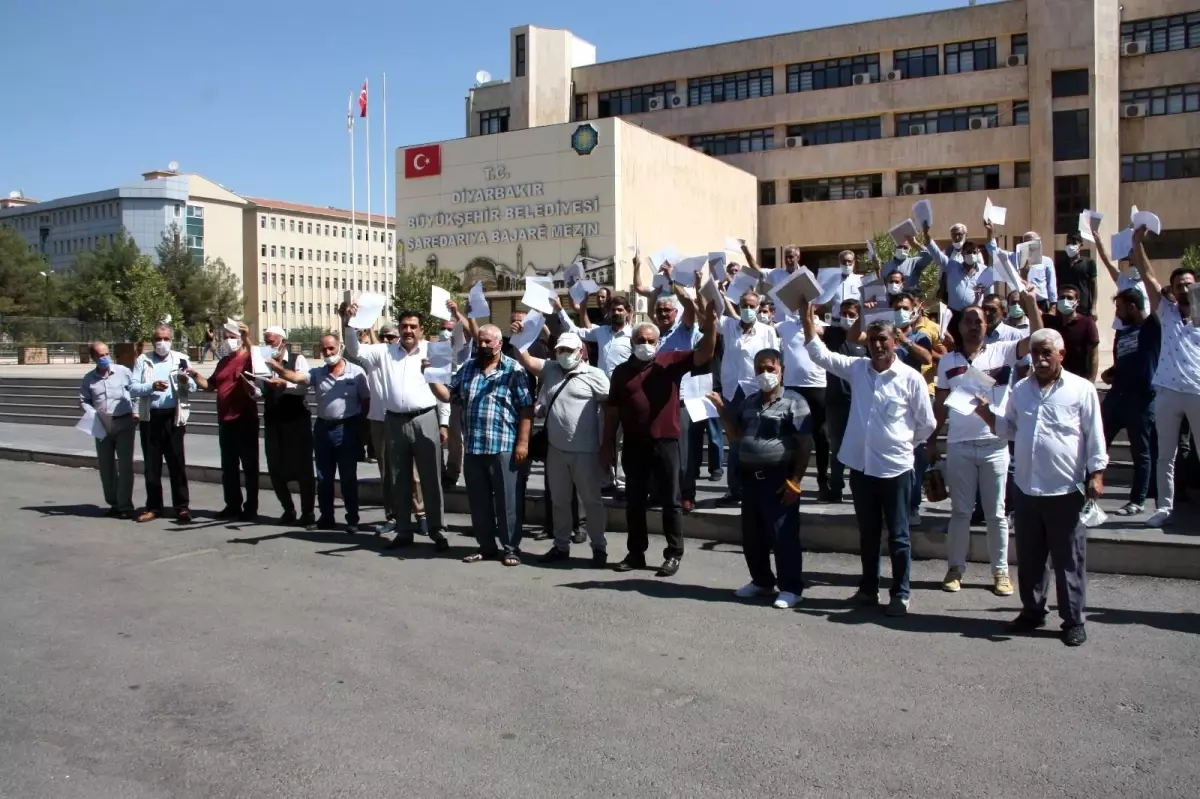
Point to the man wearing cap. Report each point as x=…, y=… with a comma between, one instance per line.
x=288, y=432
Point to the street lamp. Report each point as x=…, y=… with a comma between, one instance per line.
x=47, y=275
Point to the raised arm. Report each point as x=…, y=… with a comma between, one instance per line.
x=639, y=278
x=732, y=429
x=708, y=337
x=294, y=377
x=1034, y=315
x=532, y=365
x=934, y=251
x=1113, y=271
x=830, y=361
x=1146, y=269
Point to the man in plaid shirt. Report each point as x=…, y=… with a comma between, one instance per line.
x=497, y=411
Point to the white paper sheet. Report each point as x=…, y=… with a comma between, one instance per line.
x=734, y=244
x=922, y=212
x=1194, y=300
x=1121, y=245
x=685, y=271
x=90, y=423
x=439, y=353
x=582, y=288
x=801, y=284
x=975, y=382
x=232, y=326
x=661, y=283
x=830, y=280
x=903, y=229
x=712, y=290
x=961, y=401
x=700, y=408
x=533, y=324
x=1151, y=221
x=1005, y=273
x=1089, y=219
x=633, y=248
x=258, y=361
x=438, y=297
x=880, y=313
x=743, y=282
x=370, y=308
x=716, y=264
x=994, y=213
x=478, y=303
x=538, y=297
x=986, y=278
x=574, y=273
x=667, y=255
x=439, y=374
x=873, y=291
x=1029, y=254
x=695, y=386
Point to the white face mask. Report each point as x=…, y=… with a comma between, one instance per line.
x=767, y=381
x=847, y=322
x=332, y=360
x=444, y=335
x=847, y=269
x=765, y=318
x=1072, y=250
x=643, y=352
x=749, y=315
x=568, y=360
x=895, y=288
x=903, y=317
x=970, y=260
x=957, y=245
x=162, y=348
x=227, y=347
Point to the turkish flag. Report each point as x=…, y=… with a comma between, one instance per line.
x=423, y=162
x=362, y=100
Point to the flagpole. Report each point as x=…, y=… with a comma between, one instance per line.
x=350, y=130
x=387, y=250
x=367, y=114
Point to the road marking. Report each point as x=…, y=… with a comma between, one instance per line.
x=177, y=557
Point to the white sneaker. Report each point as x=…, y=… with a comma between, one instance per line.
x=785, y=600
x=1159, y=518
x=750, y=590
x=914, y=516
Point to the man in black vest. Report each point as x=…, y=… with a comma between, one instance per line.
x=288, y=431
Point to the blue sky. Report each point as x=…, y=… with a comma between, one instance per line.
x=252, y=94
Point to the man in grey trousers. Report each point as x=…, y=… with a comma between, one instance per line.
x=107, y=391
x=410, y=420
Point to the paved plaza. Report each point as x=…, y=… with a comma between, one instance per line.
x=233, y=660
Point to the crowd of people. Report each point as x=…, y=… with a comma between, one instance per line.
x=866, y=384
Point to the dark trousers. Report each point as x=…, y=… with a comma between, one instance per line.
x=162, y=440
x=815, y=397
x=733, y=408
x=238, y=441
x=768, y=524
x=1135, y=415
x=880, y=501
x=522, y=485
x=644, y=460
x=837, y=416
x=1050, y=526
x=289, y=446
x=920, y=464
x=692, y=451
x=336, y=447
x=492, y=498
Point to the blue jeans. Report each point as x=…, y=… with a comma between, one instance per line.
x=337, y=447
x=492, y=498
x=733, y=408
x=879, y=501
x=1135, y=415
x=768, y=524
x=691, y=447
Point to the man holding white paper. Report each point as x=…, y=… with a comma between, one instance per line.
x=162, y=412
x=960, y=265
x=107, y=390
x=1039, y=272
x=808, y=380
x=287, y=433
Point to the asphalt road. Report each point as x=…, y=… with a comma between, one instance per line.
x=157, y=661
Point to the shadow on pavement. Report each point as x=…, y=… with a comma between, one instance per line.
x=83, y=511
x=1171, y=622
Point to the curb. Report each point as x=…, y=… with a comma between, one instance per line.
x=1150, y=554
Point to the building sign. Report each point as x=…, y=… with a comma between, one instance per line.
x=584, y=139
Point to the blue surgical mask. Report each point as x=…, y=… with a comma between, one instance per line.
x=1066, y=306
x=749, y=315
x=1016, y=312
x=103, y=363
x=903, y=317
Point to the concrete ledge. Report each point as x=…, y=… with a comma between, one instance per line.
x=1136, y=552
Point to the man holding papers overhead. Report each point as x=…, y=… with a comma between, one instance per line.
x=106, y=389
x=889, y=411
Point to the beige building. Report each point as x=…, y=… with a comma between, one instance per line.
x=498, y=209
x=1045, y=106
x=301, y=259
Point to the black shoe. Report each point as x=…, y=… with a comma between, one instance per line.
x=113, y=513
x=1025, y=624
x=248, y=516
x=554, y=555
x=579, y=536
x=630, y=563
x=440, y=544
x=308, y=522
x=229, y=513
x=823, y=494
x=288, y=519
x=401, y=540
x=351, y=529
x=599, y=558
x=326, y=524
x=669, y=568
x=729, y=501
x=182, y=516
x=716, y=476
x=1074, y=636
x=125, y=515
x=541, y=535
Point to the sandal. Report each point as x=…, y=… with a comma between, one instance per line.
x=511, y=560
x=476, y=557
x=1129, y=509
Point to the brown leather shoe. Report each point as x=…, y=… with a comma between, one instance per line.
x=147, y=516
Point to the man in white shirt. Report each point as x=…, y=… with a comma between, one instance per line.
x=808, y=380
x=1177, y=378
x=743, y=338
x=1041, y=275
x=612, y=340
x=410, y=420
x=976, y=460
x=1016, y=319
x=889, y=412
x=1054, y=418
x=995, y=310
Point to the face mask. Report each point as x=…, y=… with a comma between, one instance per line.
x=749, y=315
x=765, y=318
x=643, y=352
x=162, y=348
x=445, y=335
x=970, y=260
x=225, y=348
x=332, y=360
x=103, y=363
x=767, y=381
x=1072, y=250
x=1067, y=306
x=957, y=245
x=895, y=288
x=277, y=352
x=901, y=253
x=903, y=317
x=847, y=269
x=1016, y=312
x=847, y=322
x=568, y=360
x=484, y=354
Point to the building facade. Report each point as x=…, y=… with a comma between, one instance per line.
x=1045, y=106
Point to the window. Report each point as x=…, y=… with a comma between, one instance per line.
x=272, y=250
x=293, y=307
x=831, y=73
x=327, y=230
x=919, y=62
x=970, y=56
x=1069, y=83
x=310, y=228
x=359, y=232
x=1183, y=99
x=1071, y=198
x=272, y=223
x=310, y=309
x=945, y=120
x=264, y=277
x=838, y=131
x=264, y=306
x=519, y=70
x=766, y=258
x=1071, y=135
x=1164, y=34
x=1023, y=176
x=1172, y=165
x=1171, y=244
x=494, y=121
x=292, y=225
x=766, y=192
x=291, y=280
x=375, y=260
x=855, y=187
x=326, y=281
x=733, y=86
x=291, y=252
x=262, y=222
x=1019, y=44
x=1020, y=112
x=274, y=306
x=745, y=141
x=310, y=255
x=264, y=250
x=946, y=181
x=632, y=100
x=581, y=107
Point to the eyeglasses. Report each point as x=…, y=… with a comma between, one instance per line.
x=390, y=337
x=161, y=339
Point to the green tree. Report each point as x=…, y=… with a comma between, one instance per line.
x=100, y=277
x=144, y=302
x=309, y=334
x=885, y=249
x=24, y=291
x=413, y=287
x=1191, y=258
x=205, y=292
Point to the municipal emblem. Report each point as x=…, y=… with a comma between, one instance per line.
x=584, y=139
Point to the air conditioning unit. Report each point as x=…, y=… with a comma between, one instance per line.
x=655, y=103
x=895, y=74
x=861, y=194
x=1016, y=60
x=677, y=101
x=862, y=78
x=978, y=123
x=916, y=130
x=793, y=141
x=1137, y=47
x=909, y=189
x=1133, y=110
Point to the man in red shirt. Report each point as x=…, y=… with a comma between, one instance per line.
x=237, y=421
x=1079, y=333
x=644, y=403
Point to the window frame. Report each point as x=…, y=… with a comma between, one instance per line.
x=519, y=55
x=924, y=53
x=802, y=190
x=734, y=142
x=1149, y=30
x=493, y=118
x=746, y=84
x=945, y=120
x=842, y=69
x=1071, y=143
x=974, y=47
x=1185, y=164
x=633, y=99
x=990, y=174
x=1158, y=99
x=834, y=131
